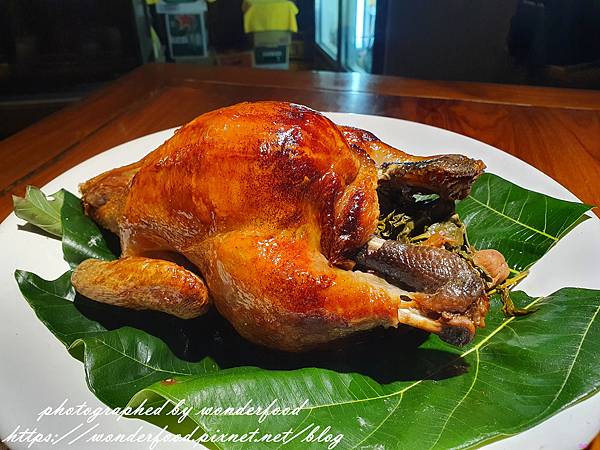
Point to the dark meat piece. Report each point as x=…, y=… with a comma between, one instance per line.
x=445, y=281
x=442, y=281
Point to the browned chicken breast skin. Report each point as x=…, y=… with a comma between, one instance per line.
x=269, y=203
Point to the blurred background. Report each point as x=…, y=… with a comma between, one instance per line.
x=53, y=52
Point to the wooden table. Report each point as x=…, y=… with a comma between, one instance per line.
x=555, y=130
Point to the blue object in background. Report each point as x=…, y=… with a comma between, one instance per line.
x=346, y=33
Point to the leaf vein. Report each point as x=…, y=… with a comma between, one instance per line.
x=524, y=225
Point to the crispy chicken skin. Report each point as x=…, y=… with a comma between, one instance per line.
x=269, y=203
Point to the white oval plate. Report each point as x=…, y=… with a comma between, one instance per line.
x=36, y=372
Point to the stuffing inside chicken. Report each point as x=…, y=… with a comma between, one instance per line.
x=277, y=217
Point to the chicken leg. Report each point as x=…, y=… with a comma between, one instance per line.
x=281, y=292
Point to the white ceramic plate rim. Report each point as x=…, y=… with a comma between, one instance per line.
x=37, y=372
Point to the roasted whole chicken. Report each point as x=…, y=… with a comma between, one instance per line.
x=277, y=217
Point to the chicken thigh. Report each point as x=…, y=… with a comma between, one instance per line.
x=268, y=211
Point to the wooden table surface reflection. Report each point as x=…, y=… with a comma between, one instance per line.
x=555, y=130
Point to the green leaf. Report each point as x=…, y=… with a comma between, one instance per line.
x=425, y=198
x=40, y=210
x=519, y=373
x=118, y=363
x=522, y=224
x=81, y=237
x=53, y=303
x=121, y=362
x=388, y=392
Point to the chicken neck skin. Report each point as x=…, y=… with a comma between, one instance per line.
x=269, y=202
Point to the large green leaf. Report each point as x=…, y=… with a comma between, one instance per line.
x=523, y=371
x=118, y=363
x=522, y=224
x=53, y=303
x=518, y=372
x=387, y=390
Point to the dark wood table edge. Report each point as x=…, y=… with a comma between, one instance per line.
x=59, y=118
x=505, y=94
